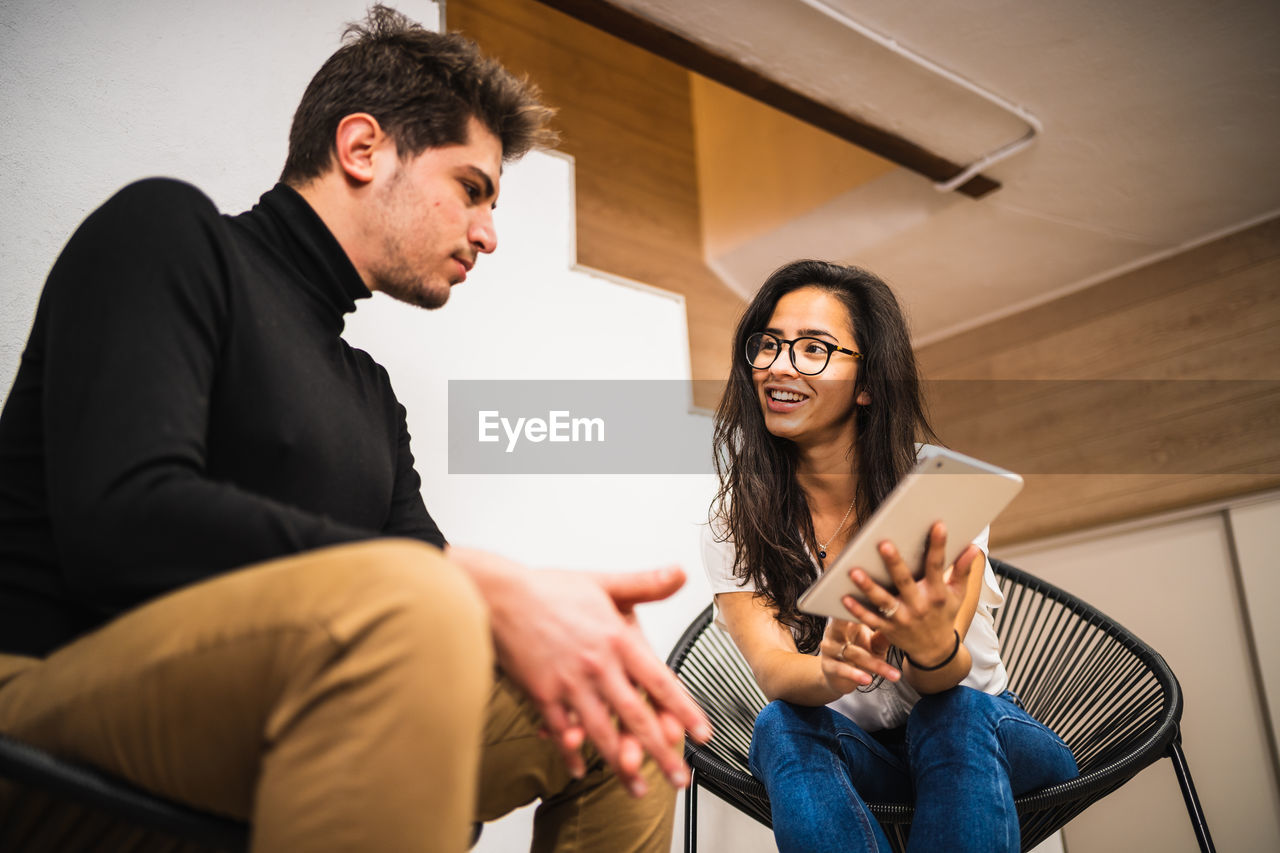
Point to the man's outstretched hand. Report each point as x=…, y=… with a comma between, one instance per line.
x=571, y=641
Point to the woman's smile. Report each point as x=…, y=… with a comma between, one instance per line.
x=782, y=399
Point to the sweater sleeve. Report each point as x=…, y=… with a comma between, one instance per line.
x=134, y=313
x=409, y=516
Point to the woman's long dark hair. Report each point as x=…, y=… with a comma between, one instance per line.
x=760, y=505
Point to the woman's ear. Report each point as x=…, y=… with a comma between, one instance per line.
x=863, y=398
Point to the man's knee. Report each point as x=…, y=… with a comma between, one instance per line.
x=424, y=574
x=409, y=582
x=392, y=620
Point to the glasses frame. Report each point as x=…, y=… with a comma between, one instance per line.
x=791, y=351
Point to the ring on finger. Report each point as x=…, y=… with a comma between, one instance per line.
x=887, y=612
x=840, y=654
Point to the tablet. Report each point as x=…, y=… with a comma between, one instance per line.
x=958, y=490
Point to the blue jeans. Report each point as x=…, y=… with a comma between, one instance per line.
x=962, y=757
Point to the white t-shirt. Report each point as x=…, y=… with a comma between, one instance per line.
x=888, y=705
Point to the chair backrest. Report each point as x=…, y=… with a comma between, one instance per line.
x=717, y=676
x=1108, y=695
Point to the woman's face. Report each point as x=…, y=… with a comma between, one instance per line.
x=810, y=410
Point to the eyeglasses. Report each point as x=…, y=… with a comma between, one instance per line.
x=808, y=355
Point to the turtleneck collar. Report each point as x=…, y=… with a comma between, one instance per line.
x=284, y=220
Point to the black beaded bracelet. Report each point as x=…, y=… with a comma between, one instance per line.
x=955, y=651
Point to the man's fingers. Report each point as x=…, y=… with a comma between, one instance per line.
x=635, y=714
x=568, y=737
x=597, y=722
x=630, y=757
x=631, y=588
x=638, y=718
x=641, y=732
x=671, y=729
x=573, y=738
x=663, y=688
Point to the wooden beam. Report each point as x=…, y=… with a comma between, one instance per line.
x=658, y=40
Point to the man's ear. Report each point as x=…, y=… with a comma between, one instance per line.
x=358, y=139
x=863, y=398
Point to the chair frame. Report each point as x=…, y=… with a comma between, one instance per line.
x=110, y=801
x=1111, y=697
x=107, y=798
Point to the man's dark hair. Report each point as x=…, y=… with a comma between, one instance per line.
x=422, y=87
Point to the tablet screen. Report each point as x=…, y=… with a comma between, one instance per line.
x=964, y=493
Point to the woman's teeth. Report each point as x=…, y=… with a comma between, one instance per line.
x=786, y=396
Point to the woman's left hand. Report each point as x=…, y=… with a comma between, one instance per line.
x=921, y=618
x=852, y=655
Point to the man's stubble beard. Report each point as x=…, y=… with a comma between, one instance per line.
x=396, y=277
x=402, y=285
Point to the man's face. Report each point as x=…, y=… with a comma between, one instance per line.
x=433, y=216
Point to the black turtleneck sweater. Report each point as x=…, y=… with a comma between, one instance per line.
x=185, y=406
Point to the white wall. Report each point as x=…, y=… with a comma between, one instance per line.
x=1254, y=528
x=97, y=93
x=1175, y=582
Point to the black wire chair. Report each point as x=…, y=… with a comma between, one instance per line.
x=58, y=805
x=1111, y=697
x=55, y=805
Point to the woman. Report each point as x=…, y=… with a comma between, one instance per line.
x=906, y=702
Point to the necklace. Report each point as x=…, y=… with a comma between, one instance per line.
x=822, y=548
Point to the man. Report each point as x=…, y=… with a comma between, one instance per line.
x=217, y=575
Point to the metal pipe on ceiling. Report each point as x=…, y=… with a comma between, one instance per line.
x=1004, y=152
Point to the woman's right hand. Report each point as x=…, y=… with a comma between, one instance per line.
x=852, y=655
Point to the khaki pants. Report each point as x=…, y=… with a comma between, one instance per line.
x=341, y=699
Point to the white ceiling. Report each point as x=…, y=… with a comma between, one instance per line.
x=1159, y=127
